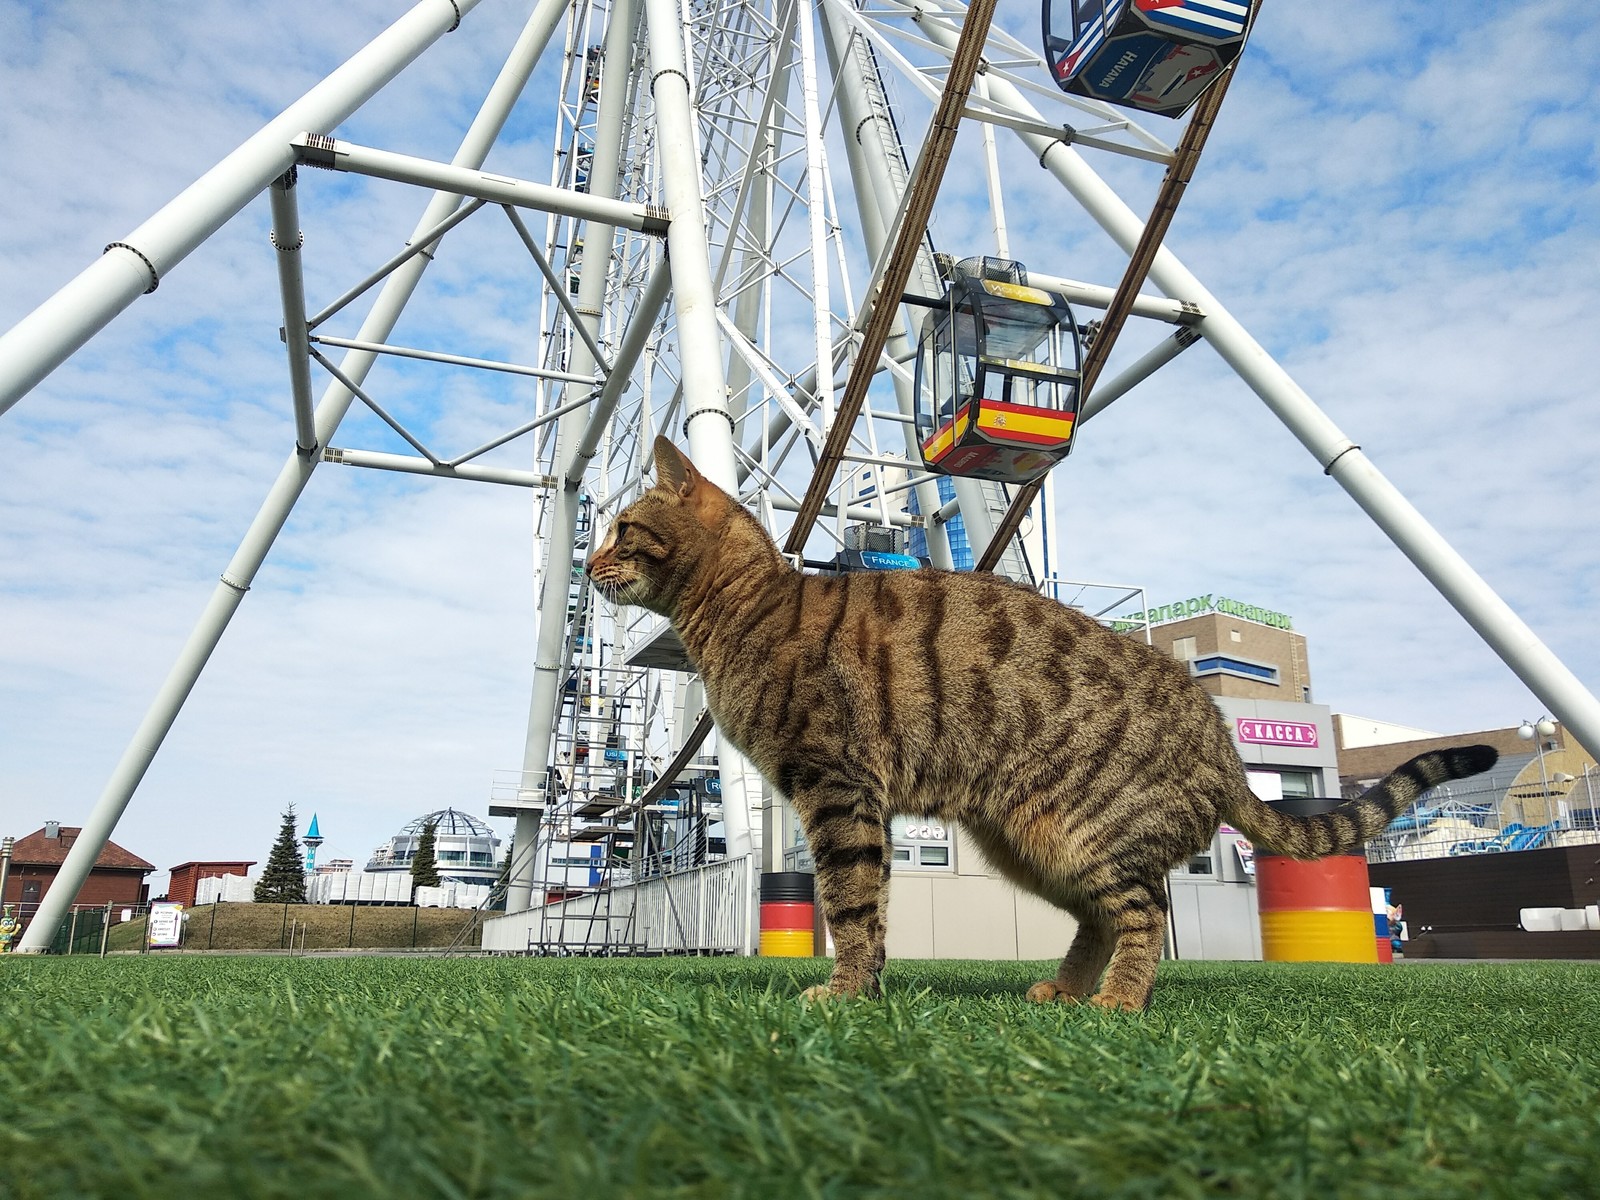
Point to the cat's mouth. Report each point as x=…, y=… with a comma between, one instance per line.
x=614, y=590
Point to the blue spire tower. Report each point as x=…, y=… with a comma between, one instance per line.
x=312, y=839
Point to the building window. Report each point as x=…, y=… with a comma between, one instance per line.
x=1298, y=785
x=1235, y=635
x=921, y=843
x=1184, y=649
x=1221, y=664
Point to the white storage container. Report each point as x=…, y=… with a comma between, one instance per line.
x=1541, y=920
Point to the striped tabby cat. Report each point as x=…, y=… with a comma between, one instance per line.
x=1084, y=764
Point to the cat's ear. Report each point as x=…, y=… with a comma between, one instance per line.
x=677, y=476
x=674, y=472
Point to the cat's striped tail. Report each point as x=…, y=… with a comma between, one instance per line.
x=1355, y=821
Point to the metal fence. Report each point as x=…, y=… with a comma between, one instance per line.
x=704, y=910
x=123, y=928
x=1493, y=813
x=300, y=927
x=701, y=910
x=86, y=929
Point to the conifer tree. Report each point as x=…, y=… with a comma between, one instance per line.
x=283, y=880
x=497, y=893
x=424, y=868
x=505, y=866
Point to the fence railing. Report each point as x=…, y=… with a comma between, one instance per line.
x=701, y=910
x=123, y=928
x=706, y=909
x=86, y=929
x=1496, y=812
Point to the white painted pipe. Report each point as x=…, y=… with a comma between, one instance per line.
x=556, y=580
x=319, y=150
x=707, y=423
x=135, y=264
x=405, y=464
x=287, y=240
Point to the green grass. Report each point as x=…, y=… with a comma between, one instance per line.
x=587, y=1079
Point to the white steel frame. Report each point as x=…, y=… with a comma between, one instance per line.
x=708, y=279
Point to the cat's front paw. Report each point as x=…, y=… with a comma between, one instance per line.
x=1120, y=1003
x=836, y=989
x=1048, y=991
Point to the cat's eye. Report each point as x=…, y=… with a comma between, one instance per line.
x=622, y=551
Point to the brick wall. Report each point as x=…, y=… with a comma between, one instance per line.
x=1218, y=633
x=102, y=886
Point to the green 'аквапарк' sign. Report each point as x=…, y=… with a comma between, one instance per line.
x=1194, y=607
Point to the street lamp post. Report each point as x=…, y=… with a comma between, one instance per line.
x=1536, y=732
x=5, y=863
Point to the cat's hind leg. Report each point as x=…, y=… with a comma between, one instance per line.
x=880, y=930
x=1081, y=969
x=849, y=841
x=1137, y=912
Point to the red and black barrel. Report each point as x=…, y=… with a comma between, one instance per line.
x=788, y=914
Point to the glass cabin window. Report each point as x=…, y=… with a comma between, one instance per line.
x=1085, y=11
x=927, y=376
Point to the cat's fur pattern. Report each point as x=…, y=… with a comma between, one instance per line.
x=1082, y=762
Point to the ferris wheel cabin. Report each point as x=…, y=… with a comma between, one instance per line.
x=998, y=367
x=1157, y=56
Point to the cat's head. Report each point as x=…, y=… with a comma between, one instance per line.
x=654, y=544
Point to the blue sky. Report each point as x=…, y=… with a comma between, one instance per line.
x=1399, y=202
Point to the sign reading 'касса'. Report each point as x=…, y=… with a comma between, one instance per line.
x=1276, y=733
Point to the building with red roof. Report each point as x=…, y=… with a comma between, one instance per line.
x=117, y=877
x=186, y=877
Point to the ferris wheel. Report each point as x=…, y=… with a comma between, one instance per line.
x=734, y=245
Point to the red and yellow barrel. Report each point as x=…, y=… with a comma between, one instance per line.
x=1317, y=911
x=788, y=914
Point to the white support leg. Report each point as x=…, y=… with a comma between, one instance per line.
x=291, y=481
x=287, y=240
x=556, y=582
x=707, y=424
x=877, y=188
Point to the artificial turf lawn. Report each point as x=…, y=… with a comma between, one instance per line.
x=203, y=1076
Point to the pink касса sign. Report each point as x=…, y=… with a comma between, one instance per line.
x=1276, y=733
